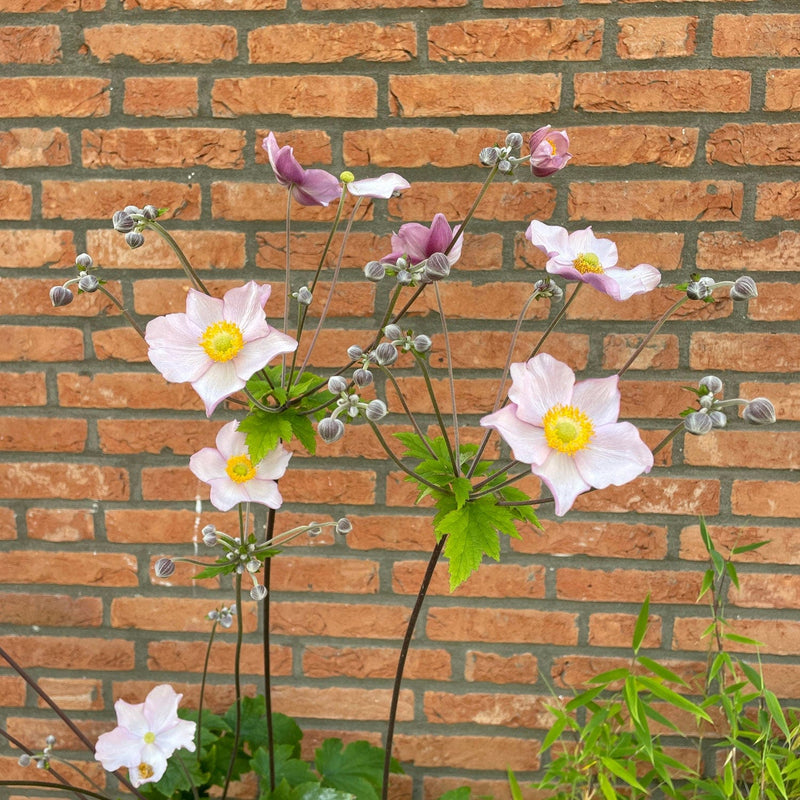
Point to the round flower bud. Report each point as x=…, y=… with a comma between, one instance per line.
x=253, y=565
x=50, y=740
x=488, y=156
x=375, y=271
x=404, y=277
x=759, y=411
x=393, y=332
x=437, y=266
x=505, y=166
x=330, y=429
x=164, y=567
x=706, y=401
x=376, y=410
x=304, y=296
x=514, y=140
x=697, y=291
x=362, y=378
x=88, y=283
x=61, y=296
x=84, y=261
x=123, y=222
x=718, y=419
x=344, y=526
x=697, y=423
x=259, y=592
x=24, y=760
x=386, y=354
x=213, y=614
x=132, y=210
x=314, y=531
x=401, y=263
x=744, y=288
x=209, y=536
x=422, y=343
x=354, y=352
x=346, y=177
x=150, y=212
x=337, y=384
x=712, y=383
x=134, y=239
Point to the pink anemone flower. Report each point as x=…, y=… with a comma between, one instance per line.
x=233, y=477
x=549, y=151
x=217, y=345
x=568, y=432
x=310, y=187
x=417, y=242
x=381, y=188
x=581, y=256
x=147, y=734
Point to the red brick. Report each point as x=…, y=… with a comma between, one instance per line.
x=28, y=343
x=45, y=610
x=310, y=147
x=99, y=199
x=784, y=396
x=494, y=668
x=374, y=662
x=80, y=653
x=336, y=5
x=622, y=145
x=754, y=449
x=782, y=90
x=60, y=525
x=30, y=296
x=173, y=614
x=182, y=437
x=502, y=625
x=391, y=533
x=780, y=252
x=332, y=575
x=348, y=620
x=63, y=481
x=34, y=147
x=473, y=95
x=205, y=5
x=779, y=637
x=775, y=301
x=523, y=39
x=629, y=585
x=218, y=697
x=781, y=200
x=8, y=525
x=42, y=434
x=656, y=200
x=468, y=752
x=13, y=690
x=325, y=44
x=295, y=96
x=25, y=6
x=435, y=787
x=492, y=580
x=661, y=352
x=639, y=401
x=663, y=90
x=656, y=37
x=759, y=35
x=120, y=343
x=161, y=97
x=124, y=390
x=746, y=352
x=22, y=389
x=164, y=526
x=16, y=200
x=30, y=45
x=174, y=656
x=74, y=568
x=340, y=703
x=154, y=148
x=73, y=694
x=765, y=591
x=574, y=672
x=766, y=499
x=758, y=144
x=91, y=772
x=779, y=547
x=162, y=44
x=648, y=306
x=54, y=97
x=508, y=710
x=616, y=630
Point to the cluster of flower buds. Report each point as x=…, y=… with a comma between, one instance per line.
x=549, y=153
x=503, y=157
x=42, y=760
x=62, y=295
x=331, y=429
x=131, y=221
x=406, y=341
x=548, y=288
x=435, y=267
x=743, y=288
x=223, y=615
x=758, y=411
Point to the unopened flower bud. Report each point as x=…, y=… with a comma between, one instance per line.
x=488, y=156
x=164, y=567
x=744, y=288
x=354, y=352
x=337, y=384
x=61, y=296
x=150, y=212
x=712, y=383
x=514, y=140
x=695, y=290
x=404, y=277
x=759, y=411
x=134, y=239
x=330, y=429
x=84, y=261
x=88, y=283
x=706, y=401
x=401, y=263
x=376, y=410
x=344, y=526
x=259, y=592
x=123, y=222
x=386, y=354
x=346, y=177
x=375, y=271
x=505, y=167
x=132, y=210
x=253, y=565
x=24, y=760
x=718, y=419
x=697, y=423
x=393, y=332
x=314, y=531
x=209, y=536
x=213, y=614
x=362, y=378
x=437, y=266
x=50, y=740
x=42, y=763
x=422, y=343
x=304, y=296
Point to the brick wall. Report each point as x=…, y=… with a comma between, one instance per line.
x=686, y=148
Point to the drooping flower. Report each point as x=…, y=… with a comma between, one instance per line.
x=569, y=432
x=233, y=477
x=417, y=242
x=147, y=734
x=310, y=187
x=581, y=256
x=549, y=151
x=381, y=188
x=217, y=345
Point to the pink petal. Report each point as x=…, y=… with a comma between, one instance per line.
x=638, y=280
x=317, y=188
x=243, y=307
x=538, y=385
x=217, y=383
x=208, y=464
x=563, y=266
x=161, y=707
x=527, y=442
x=411, y=240
x=178, y=735
x=585, y=241
x=382, y=188
x=615, y=454
x=550, y=239
x=273, y=465
x=118, y=748
x=203, y=310
x=174, y=348
x=225, y=493
x=264, y=492
x=439, y=236
x=257, y=353
x=131, y=717
x=560, y=474
x=230, y=442
x=599, y=399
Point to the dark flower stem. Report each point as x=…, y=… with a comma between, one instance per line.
x=203, y=690
x=401, y=661
x=187, y=267
x=237, y=682
x=127, y=314
x=50, y=785
x=269, y=533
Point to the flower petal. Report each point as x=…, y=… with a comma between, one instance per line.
x=155, y=759
x=203, y=310
x=264, y=492
x=274, y=464
x=243, y=306
x=440, y=236
x=317, y=188
x=527, y=442
x=599, y=399
x=638, y=280
x=131, y=717
x=538, y=385
x=217, y=383
x=161, y=707
x=550, y=239
x=225, y=493
x=615, y=455
x=208, y=464
x=259, y=352
x=118, y=748
x=177, y=736
x=381, y=188
x=560, y=474
x=411, y=240
x=230, y=442
x=174, y=348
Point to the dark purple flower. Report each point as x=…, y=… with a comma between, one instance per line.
x=417, y=242
x=549, y=151
x=310, y=187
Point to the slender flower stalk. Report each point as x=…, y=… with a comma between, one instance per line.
x=450, y=380
x=127, y=314
x=269, y=533
x=187, y=267
x=383, y=443
x=411, y=418
x=460, y=231
x=423, y=365
x=55, y=787
x=287, y=291
x=197, y=734
x=237, y=684
x=668, y=438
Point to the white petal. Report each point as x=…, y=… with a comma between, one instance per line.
x=118, y=748
x=550, y=239
x=599, y=399
x=615, y=455
x=178, y=735
x=217, y=383
x=161, y=707
x=257, y=353
x=562, y=478
x=243, y=307
x=208, y=464
x=274, y=464
x=383, y=187
x=264, y=492
x=203, y=310
x=157, y=761
x=225, y=493
x=230, y=442
x=638, y=280
x=538, y=385
x=527, y=442
x=175, y=350
x=131, y=717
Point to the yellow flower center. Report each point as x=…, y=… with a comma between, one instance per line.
x=567, y=429
x=222, y=340
x=552, y=146
x=149, y=737
x=145, y=771
x=240, y=469
x=587, y=262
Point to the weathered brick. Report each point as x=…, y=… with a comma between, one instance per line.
x=8, y=524
x=508, y=710
x=781, y=200
x=656, y=37
x=162, y=44
x=374, y=662
x=161, y=97
x=468, y=752
x=628, y=585
x=784, y=396
x=783, y=90
x=775, y=301
x=341, y=703
x=163, y=526
x=736, y=251
x=295, y=96
x=661, y=352
x=63, y=481
x=492, y=580
x=435, y=787
x=337, y=5
x=756, y=35
x=22, y=389
x=309, y=146
x=616, y=630
x=779, y=637
x=182, y=437
x=42, y=434
x=33, y=343
x=30, y=45
x=766, y=498
x=73, y=694
x=154, y=148
x=54, y=97
x=50, y=6
x=661, y=200
x=758, y=144
x=124, y=390
x=750, y=352
x=205, y=5
x=621, y=145
x=502, y=625
x=123, y=344
x=60, y=525
x=656, y=495
x=663, y=90
x=778, y=548
x=462, y=95
x=185, y=614
x=46, y=610
x=30, y=297
x=325, y=44
x=347, y=620
x=80, y=653
x=16, y=200
x=181, y=656
x=494, y=668
x=522, y=39
x=34, y=147
x=31, y=248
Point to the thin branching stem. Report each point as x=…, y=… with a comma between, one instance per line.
x=450, y=380
x=127, y=314
x=269, y=533
x=187, y=267
x=237, y=683
x=57, y=787
x=556, y=319
x=412, y=419
x=287, y=290
x=668, y=438
x=390, y=453
x=197, y=735
x=460, y=230
x=492, y=489
x=423, y=365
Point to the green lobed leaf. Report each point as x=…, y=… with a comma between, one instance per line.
x=357, y=769
x=264, y=430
